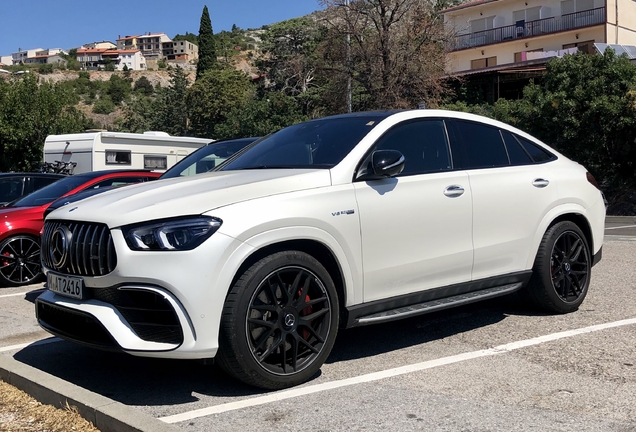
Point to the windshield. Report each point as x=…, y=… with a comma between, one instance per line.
x=207, y=158
x=319, y=143
x=51, y=192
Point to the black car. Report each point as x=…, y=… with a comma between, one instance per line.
x=203, y=160
x=14, y=185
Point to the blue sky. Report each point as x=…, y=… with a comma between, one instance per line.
x=29, y=24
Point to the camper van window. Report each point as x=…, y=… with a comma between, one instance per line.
x=155, y=162
x=118, y=157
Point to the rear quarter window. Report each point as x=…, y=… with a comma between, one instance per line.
x=538, y=154
x=483, y=145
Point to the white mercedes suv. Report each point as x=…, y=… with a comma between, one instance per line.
x=333, y=223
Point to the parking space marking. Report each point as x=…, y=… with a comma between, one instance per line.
x=18, y=294
x=619, y=227
x=375, y=376
x=32, y=343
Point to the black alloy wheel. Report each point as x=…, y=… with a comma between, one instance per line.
x=279, y=321
x=19, y=261
x=570, y=266
x=562, y=269
x=288, y=320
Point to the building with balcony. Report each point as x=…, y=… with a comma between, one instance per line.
x=516, y=33
x=150, y=45
x=22, y=55
x=180, y=51
x=127, y=42
x=47, y=56
x=96, y=58
x=102, y=44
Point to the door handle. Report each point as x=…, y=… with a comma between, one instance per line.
x=454, y=191
x=540, y=183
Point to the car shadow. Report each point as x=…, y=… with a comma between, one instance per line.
x=139, y=381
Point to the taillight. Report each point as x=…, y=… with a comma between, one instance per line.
x=592, y=180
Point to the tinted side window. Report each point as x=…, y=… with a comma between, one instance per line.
x=537, y=153
x=516, y=153
x=10, y=189
x=40, y=182
x=423, y=143
x=483, y=145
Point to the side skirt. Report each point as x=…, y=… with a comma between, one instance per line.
x=433, y=300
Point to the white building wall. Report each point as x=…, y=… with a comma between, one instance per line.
x=621, y=31
x=22, y=55
x=134, y=60
x=505, y=42
x=6, y=60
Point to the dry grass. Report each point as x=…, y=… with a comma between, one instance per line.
x=20, y=412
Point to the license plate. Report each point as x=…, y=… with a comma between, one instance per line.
x=68, y=286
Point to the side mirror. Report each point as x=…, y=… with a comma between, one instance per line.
x=387, y=163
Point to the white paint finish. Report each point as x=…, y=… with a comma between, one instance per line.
x=403, y=370
x=506, y=211
x=413, y=236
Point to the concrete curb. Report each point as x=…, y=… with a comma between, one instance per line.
x=107, y=415
x=621, y=219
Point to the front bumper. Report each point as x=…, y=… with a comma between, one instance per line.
x=177, y=300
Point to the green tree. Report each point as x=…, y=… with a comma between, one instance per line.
x=167, y=111
x=259, y=117
x=190, y=37
x=29, y=112
x=395, y=56
x=45, y=69
x=104, y=106
x=207, y=48
x=109, y=65
x=143, y=85
x=118, y=89
x=214, y=95
x=586, y=108
x=140, y=115
x=290, y=59
x=174, y=117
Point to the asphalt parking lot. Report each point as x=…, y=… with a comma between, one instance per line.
x=496, y=365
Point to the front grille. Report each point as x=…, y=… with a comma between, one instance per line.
x=88, y=248
x=74, y=325
x=149, y=314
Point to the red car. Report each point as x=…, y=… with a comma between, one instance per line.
x=22, y=220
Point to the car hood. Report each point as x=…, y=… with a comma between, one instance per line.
x=19, y=212
x=189, y=195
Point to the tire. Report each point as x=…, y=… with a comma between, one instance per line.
x=279, y=321
x=562, y=269
x=20, y=261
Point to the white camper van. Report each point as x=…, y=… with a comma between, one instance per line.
x=96, y=151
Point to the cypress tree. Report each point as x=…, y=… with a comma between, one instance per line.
x=207, y=49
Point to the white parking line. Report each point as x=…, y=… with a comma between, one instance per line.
x=32, y=343
x=626, y=226
x=302, y=391
x=19, y=293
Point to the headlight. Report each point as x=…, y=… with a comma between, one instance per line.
x=171, y=234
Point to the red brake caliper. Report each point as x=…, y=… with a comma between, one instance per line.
x=5, y=262
x=307, y=310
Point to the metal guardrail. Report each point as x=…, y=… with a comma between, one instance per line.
x=529, y=29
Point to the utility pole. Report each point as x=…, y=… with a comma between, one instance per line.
x=348, y=58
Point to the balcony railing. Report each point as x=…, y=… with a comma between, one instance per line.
x=529, y=29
